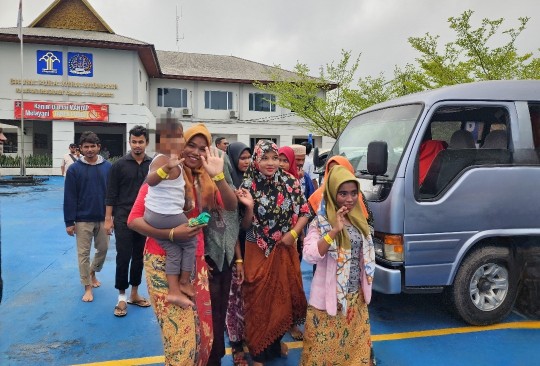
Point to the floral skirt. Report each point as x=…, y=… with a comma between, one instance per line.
x=338, y=340
x=186, y=333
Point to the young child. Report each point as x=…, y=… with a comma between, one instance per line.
x=164, y=208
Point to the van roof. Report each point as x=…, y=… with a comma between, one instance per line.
x=495, y=90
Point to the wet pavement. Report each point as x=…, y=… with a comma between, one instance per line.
x=44, y=322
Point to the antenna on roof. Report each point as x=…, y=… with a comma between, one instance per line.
x=178, y=38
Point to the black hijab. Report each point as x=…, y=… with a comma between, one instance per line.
x=234, y=150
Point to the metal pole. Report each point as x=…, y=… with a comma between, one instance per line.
x=23, y=163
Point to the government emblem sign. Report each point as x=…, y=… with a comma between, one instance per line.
x=49, y=62
x=80, y=64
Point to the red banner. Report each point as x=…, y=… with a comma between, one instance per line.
x=63, y=111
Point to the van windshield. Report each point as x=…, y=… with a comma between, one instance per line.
x=392, y=125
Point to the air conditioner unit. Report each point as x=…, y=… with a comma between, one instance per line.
x=233, y=114
x=186, y=112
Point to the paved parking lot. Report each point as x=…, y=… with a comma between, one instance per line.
x=44, y=322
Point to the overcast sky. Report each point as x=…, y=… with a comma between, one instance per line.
x=280, y=32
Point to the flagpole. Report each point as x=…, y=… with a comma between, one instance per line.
x=23, y=162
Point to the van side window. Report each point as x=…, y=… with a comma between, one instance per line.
x=468, y=136
x=534, y=110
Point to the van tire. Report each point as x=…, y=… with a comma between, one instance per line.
x=476, y=279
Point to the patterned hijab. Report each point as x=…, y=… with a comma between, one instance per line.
x=234, y=151
x=289, y=154
x=278, y=200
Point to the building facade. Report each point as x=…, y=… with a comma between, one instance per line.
x=78, y=75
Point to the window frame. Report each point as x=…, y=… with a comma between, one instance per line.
x=208, y=100
x=161, y=100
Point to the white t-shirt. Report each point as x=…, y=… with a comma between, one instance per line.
x=309, y=168
x=68, y=161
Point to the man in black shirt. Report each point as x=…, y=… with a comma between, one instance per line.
x=125, y=178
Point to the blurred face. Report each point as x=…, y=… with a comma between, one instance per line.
x=171, y=142
x=347, y=195
x=72, y=149
x=90, y=151
x=195, y=148
x=284, y=162
x=137, y=144
x=269, y=163
x=244, y=160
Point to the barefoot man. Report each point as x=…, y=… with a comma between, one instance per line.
x=84, y=209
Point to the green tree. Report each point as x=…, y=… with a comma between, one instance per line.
x=467, y=59
x=324, y=107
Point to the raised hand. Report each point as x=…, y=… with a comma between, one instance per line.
x=174, y=161
x=212, y=162
x=340, y=218
x=245, y=197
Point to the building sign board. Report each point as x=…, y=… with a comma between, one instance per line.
x=80, y=64
x=49, y=62
x=62, y=111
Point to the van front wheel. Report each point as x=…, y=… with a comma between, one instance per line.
x=485, y=287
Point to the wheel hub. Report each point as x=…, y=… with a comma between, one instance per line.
x=489, y=286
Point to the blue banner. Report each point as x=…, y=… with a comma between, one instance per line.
x=80, y=64
x=49, y=62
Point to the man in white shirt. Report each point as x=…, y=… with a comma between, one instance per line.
x=70, y=158
x=309, y=167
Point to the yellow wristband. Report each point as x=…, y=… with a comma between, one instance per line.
x=328, y=239
x=162, y=173
x=171, y=235
x=239, y=261
x=219, y=177
x=294, y=234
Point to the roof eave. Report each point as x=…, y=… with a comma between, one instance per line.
x=147, y=53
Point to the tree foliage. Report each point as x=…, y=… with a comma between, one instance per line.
x=472, y=56
x=324, y=108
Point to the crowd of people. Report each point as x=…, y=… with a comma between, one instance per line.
x=220, y=233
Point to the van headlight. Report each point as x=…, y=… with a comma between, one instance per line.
x=389, y=246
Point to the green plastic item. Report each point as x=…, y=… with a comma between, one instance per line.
x=202, y=219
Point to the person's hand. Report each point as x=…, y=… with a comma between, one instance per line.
x=340, y=219
x=239, y=270
x=109, y=225
x=245, y=197
x=213, y=162
x=70, y=230
x=287, y=239
x=185, y=232
x=174, y=161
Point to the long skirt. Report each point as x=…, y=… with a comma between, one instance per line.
x=274, y=296
x=344, y=339
x=235, y=314
x=187, y=333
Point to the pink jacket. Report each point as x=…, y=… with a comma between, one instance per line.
x=323, y=294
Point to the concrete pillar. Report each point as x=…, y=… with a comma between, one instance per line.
x=63, y=134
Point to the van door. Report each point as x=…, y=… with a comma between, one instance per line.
x=453, y=202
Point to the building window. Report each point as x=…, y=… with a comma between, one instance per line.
x=262, y=102
x=220, y=100
x=174, y=98
x=11, y=144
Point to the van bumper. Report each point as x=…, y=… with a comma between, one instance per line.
x=386, y=280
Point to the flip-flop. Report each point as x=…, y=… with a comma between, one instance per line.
x=120, y=312
x=143, y=303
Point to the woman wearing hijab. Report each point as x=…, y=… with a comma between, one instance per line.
x=276, y=211
x=316, y=197
x=339, y=241
x=287, y=162
x=190, y=336
x=240, y=157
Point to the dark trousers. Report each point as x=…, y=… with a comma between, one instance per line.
x=129, y=248
x=220, y=284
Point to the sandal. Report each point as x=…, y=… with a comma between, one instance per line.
x=120, y=311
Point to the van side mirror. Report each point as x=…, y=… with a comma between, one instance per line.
x=377, y=158
x=316, y=156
